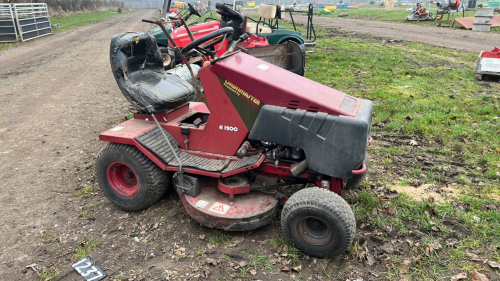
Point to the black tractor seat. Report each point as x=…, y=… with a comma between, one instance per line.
x=138, y=69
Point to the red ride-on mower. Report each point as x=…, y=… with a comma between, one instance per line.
x=261, y=129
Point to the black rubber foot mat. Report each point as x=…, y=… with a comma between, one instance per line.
x=155, y=141
x=246, y=161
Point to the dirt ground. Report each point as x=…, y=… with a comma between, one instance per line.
x=57, y=95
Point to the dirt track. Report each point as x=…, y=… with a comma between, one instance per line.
x=57, y=94
x=465, y=40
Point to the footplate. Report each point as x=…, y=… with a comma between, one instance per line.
x=155, y=141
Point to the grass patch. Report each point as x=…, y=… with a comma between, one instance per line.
x=199, y=252
x=258, y=260
x=286, y=250
x=218, y=238
x=73, y=21
x=421, y=93
x=47, y=237
x=86, y=214
x=84, y=246
x=48, y=274
x=427, y=95
x=76, y=20
x=459, y=228
x=84, y=192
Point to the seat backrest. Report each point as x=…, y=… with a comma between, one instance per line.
x=133, y=51
x=137, y=65
x=267, y=11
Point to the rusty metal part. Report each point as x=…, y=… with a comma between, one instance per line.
x=298, y=168
x=187, y=28
x=243, y=149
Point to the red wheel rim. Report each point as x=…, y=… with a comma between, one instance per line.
x=123, y=179
x=314, y=231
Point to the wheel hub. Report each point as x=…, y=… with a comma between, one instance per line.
x=314, y=230
x=166, y=59
x=122, y=179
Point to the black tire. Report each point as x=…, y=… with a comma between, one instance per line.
x=356, y=180
x=128, y=178
x=328, y=218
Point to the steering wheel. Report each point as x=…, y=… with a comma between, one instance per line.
x=192, y=10
x=224, y=10
x=201, y=44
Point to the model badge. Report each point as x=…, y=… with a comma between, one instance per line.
x=228, y=128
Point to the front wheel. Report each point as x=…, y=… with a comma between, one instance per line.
x=128, y=178
x=318, y=222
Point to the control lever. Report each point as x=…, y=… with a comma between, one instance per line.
x=241, y=39
x=230, y=50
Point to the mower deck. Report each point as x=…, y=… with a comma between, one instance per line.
x=213, y=208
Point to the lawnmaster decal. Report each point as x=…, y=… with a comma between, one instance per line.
x=240, y=92
x=247, y=106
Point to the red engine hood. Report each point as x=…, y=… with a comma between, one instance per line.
x=181, y=37
x=273, y=85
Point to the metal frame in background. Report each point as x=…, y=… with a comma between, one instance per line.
x=33, y=20
x=8, y=32
x=310, y=33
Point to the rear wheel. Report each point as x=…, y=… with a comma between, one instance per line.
x=128, y=178
x=318, y=222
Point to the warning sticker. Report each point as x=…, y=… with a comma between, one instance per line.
x=263, y=66
x=201, y=204
x=219, y=208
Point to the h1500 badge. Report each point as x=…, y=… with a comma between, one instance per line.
x=228, y=128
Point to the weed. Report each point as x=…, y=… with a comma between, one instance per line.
x=84, y=192
x=122, y=276
x=218, y=237
x=128, y=116
x=94, y=205
x=47, y=237
x=48, y=274
x=164, y=218
x=356, y=252
x=286, y=249
x=327, y=271
x=258, y=260
x=200, y=251
x=84, y=246
x=277, y=241
x=86, y=214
